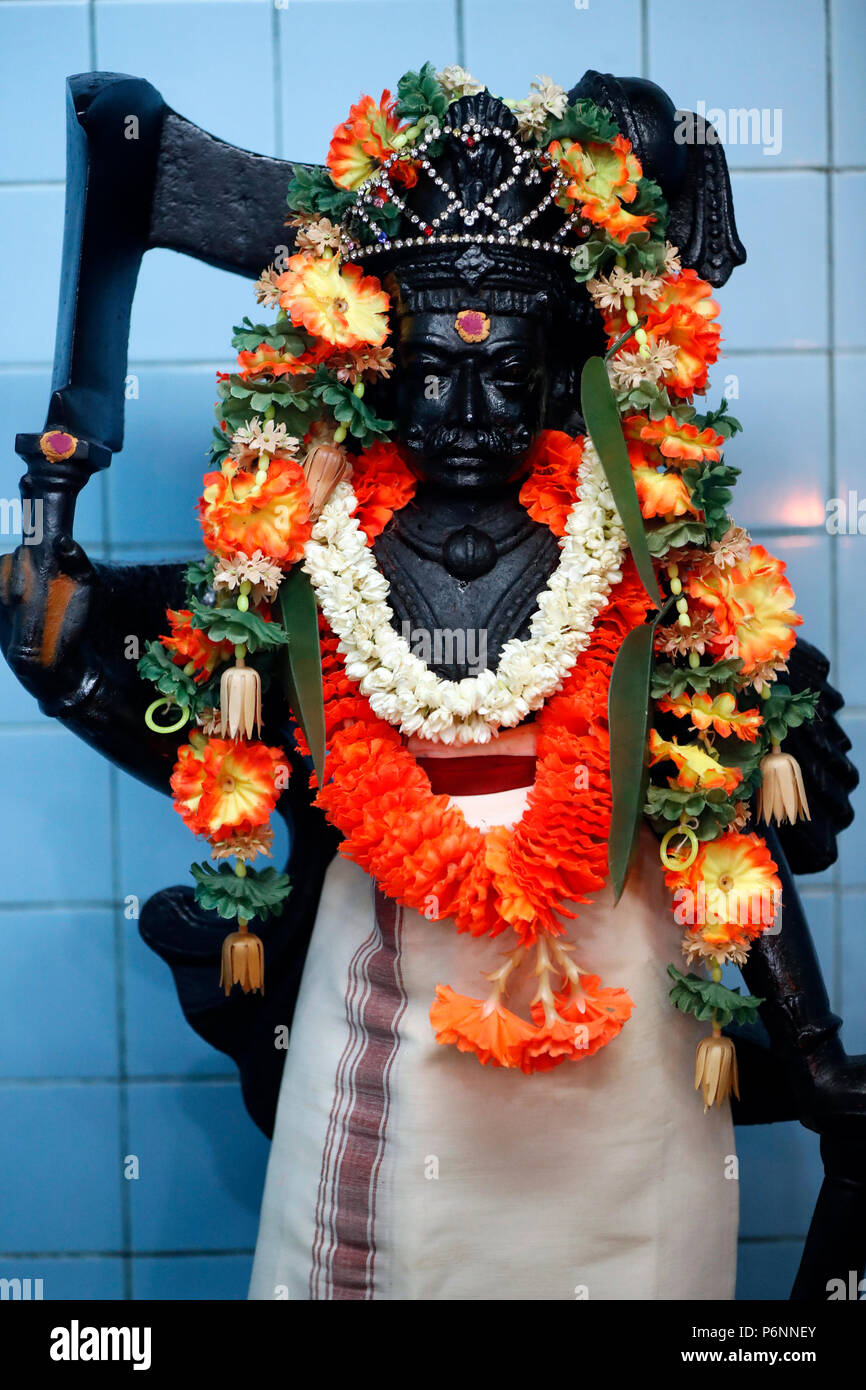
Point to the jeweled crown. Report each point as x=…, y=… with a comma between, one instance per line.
x=468, y=179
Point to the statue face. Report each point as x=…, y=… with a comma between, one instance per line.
x=468, y=411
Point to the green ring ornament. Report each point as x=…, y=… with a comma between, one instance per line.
x=165, y=728
x=679, y=864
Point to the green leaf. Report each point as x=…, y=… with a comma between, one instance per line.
x=260, y=893
x=672, y=680
x=303, y=663
x=692, y=994
x=199, y=573
x=229, y=624
x=419, y=95
x=156, y=665
x=584, y=121
x=312, y=190
x=786, y=710
x=601, y=416
x=628, y=718
x=713, y=810
x=673, y=535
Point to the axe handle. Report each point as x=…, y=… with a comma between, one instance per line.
x=836, y=1244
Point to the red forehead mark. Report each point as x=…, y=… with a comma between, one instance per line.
x=472, y=325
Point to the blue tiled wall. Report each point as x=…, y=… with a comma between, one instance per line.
x=96, y=1060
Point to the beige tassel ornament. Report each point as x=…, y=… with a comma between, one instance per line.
x=324, y=467
x=240, y=701
x=781, y=795
x=243, y=961
x=716, y=1069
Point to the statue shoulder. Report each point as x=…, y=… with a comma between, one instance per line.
x=821, y=748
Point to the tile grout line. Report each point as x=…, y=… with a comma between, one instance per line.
x=277, y=79
x=837, y=964
x=644, y=38
x=460, y=29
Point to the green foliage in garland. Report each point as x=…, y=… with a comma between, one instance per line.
x=313, y=191
x=711, y=488
x=693, y=994
x=786, y=709
x=713, y=810
x=229, y=624
x=672, y=680
x=584, y=121
x=352, y=411
x=419, y=95
x=260, y=893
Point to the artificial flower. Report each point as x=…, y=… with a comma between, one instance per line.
x=717, y=711
x=752, y=605
x=630, y=369
x=364, y=141
x=734, y=889
x=245, y=847
x=190, y=644
x=680, y=442
x=256, y=570
x=681, y=315
x=316, y=234
x=335, y=301
x=238, y=788
x=457, y=82
x=550, y=489
x=362, y=363
x=696, y=768
x=600, y=179
x=484, y=1027
x=241, y=515
x=583, y=1021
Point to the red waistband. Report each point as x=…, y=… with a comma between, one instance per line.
x=496, y=772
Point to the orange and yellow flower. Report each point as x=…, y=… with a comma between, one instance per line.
x=674, y=441
x=734, y=887
x=484, y=1027
x=752, y=605
x=601, y=178
x=335, y=301
x=659, y=494
x=696, y=768
x=269, y=362
x=240, y=515
x=363, y=142
x=719, y=711
x=188, y=643
x=683, y=315
x=227, y=788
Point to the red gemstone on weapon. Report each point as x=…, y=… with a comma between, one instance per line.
x=428, y=231
x=470, y=141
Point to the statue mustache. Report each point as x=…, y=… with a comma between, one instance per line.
x=454, y=440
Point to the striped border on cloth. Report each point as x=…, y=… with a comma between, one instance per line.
x=344, y=1245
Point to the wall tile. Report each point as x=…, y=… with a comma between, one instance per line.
x=60, y=1156
x=747, y=56
x=850, y=390
x=767, y=1270
x=154, y=484
x=848, y=27
x=54, y=812
x=780, y=1176
x=820, y=914
x=170, y=288
x=192, y=1277
x=51, y=40
x=509, y=42
x=851, y=554
x=158, y=1038
x=849, y=213
x=808, y=565
x=202, y=1167
x=32, y=222
x=779, y=297
x=783, y=450
x=195, y=58
x=81, y=1278
x=57, y=994
x=392, y=35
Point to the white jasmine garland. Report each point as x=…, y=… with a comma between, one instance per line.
x=353, y=595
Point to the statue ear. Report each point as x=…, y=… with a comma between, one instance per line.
x=681, y=151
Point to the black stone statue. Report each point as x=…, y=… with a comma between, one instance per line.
x=463, y=555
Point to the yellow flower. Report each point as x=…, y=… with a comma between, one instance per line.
x=335, y=301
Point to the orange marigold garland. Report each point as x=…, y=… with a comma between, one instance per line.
x=720, y=712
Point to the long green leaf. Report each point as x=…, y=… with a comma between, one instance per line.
x=601, y=416
x=628, y=720
x=303, y=663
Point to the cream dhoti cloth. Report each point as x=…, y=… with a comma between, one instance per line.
x=403, y=1169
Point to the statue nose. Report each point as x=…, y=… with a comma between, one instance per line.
x=469, y=395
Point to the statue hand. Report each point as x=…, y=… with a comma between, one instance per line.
x=833, y=1100
x=45, y=595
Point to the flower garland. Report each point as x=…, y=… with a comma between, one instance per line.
x=353, y=596
x=719, y=710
